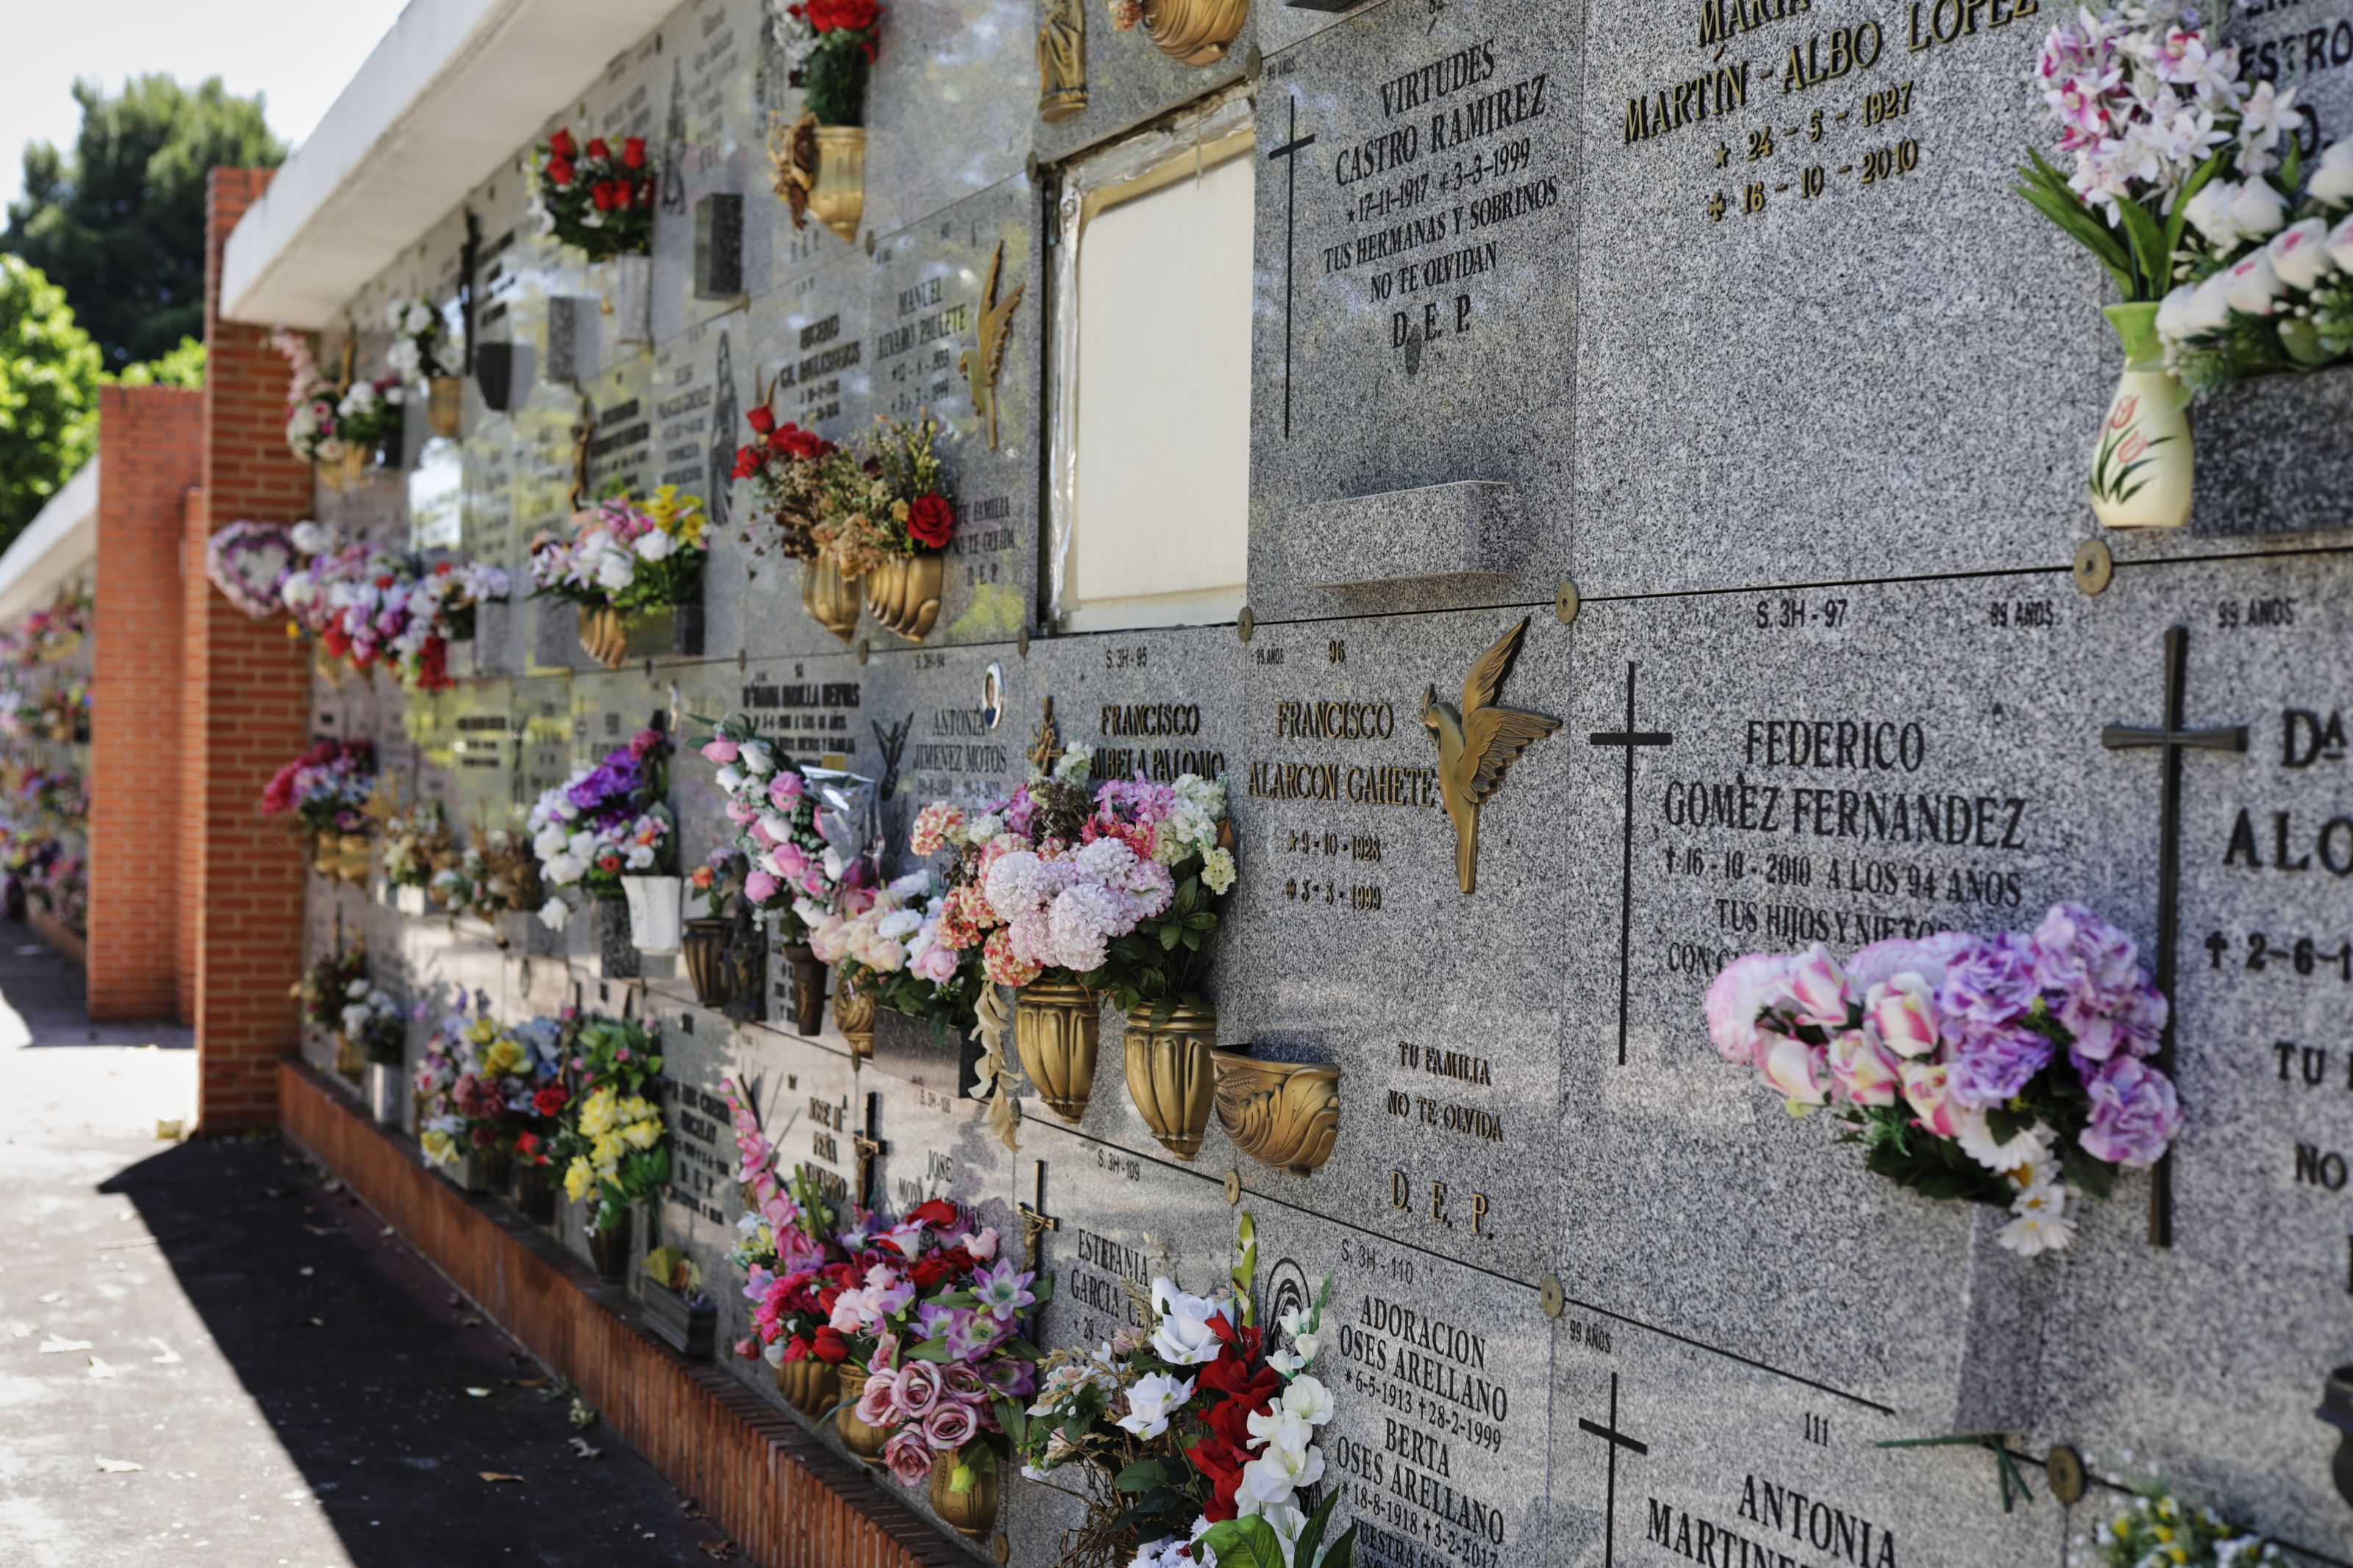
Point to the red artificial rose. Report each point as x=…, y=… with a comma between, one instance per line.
x=561, y=144
x=1222, y=1464
x=760, y=419
x=796, y=1349
x=433, y=666
x=843, y=16
x=929, y=520
x=830, y=1346
x=560, y=171
x=602, y=197
x=939, y=1214
x=551, y=1100
x=748, y=462
x=633, y=152
x=597, y=148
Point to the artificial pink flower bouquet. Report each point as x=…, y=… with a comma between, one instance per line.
x=2013, y=1071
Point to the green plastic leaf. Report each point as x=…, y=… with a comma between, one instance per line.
x=1245, y=1543
x=1343, y=1551
x=1141, y=1475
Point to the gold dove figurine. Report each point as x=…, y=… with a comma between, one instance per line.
x=1477, y=744
x=981, y=363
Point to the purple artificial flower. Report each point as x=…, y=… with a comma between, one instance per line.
x=1988, y=985
x=2089, y=974
x=1010, y=1378
x=1003, y=1289
x=1991, y=1066
x=2135, y=1113
x=972, y=1336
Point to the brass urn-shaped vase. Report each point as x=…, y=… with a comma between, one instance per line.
x=350, y=1059
x=355, y=462
x=604, y=635
x=442, y=404
x=830, y=598
x=1196, y=32
x=1056, y=1028
x=839, y=197
x=352, y=857
x=903, y=593
x=1170, y=1076
x=971, y=1514
x=704, y=947
x=864, y=1441
x=1286, y=1114
x=809, y=1386
x=853, y=1015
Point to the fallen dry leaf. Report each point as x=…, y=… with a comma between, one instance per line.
x=581, y=1449
x=97, y=1368
x=479, y=1393
x=524, y=1381
x=316, y=1322
x=54, y=1346
x=306, y=1270
x=318, y=1230
x=469, y=1323
x=723, y=1550
x=501, y=1475
x=118, y=1466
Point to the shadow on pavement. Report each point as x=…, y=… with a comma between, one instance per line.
x=362, y=1358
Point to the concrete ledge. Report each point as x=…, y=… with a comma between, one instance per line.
x=786, y=1499
x=1468, y=530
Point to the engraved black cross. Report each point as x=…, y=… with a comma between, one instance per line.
x=867, y=1147
x=2172, y=740
x=1631, y=739
x=1289, y=152
x=1616, y=1440
x=1035, y=1223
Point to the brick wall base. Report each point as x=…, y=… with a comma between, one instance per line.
x=787, y=1501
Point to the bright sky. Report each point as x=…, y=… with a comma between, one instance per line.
x=299, y=55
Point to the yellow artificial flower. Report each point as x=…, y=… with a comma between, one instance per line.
x=898, y=511
x=504, y=1057
x=578, y=1179
x=606, y=1149
x=439, y=1147
x=2162, y=1534
x=482, y=1032
x=643, y=1134
x=596, y=1112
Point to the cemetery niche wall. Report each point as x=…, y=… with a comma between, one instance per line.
x=1668, y=540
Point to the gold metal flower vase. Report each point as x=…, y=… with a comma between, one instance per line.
x=2142, y=464
x=853, y=1015
x=1170, y=1076
x=1057, y=1025
x=704, y=947
x=604, y=635
x=352, y=857
x=903, y=593
x=830, y=598
x=1196, y=32
x=355, y=463
x=863, y=1440
x=1286, y=1114
x=971, y=1514
x=839, y=197
x=809, y=1386
x=444, y=400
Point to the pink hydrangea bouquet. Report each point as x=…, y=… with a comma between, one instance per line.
x=2010, y=1069
x=942, y=1306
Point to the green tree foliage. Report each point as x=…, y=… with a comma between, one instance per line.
x=48, y=394
x=119, y=222
x=184, y=366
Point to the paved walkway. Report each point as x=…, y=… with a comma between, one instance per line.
x=210, y=1354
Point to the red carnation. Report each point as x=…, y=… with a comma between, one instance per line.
x=633, y=152
x=929, y=520
x=760, y=419
x=830, y=1346
x=561, y=144
x=597, y=148
x=748, y=462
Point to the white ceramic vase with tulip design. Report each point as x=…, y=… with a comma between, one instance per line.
x=2142, y=464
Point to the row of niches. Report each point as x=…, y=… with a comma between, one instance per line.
x=1524, y=1083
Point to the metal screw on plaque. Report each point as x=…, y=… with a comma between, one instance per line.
x=1244, y=624
x=861, y=651
x=2065, y=1469
x=1233, y=1186
x=1566, y=603
x=2094, y=568
x=1003, y=1547
x=1550, y=1295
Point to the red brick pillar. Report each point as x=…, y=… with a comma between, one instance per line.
x=188, y=754
x=247, y=699
x=148, y=439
